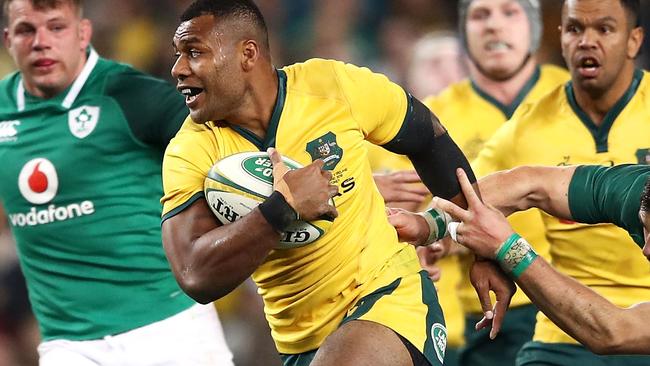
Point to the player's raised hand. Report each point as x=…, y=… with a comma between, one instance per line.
x=307, y=190
x=483, y=228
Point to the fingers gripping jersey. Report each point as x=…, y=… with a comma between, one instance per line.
x=325, y=110
x=555, y=132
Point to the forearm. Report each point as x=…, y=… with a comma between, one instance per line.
x=209, y=262
x=585, y=315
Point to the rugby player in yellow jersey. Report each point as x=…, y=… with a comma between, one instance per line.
x=600, y=117
x=500, y=38
x=356, y=295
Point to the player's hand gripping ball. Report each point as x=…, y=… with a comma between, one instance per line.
x=236, y=184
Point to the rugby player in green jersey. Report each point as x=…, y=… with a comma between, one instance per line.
x=81, y=141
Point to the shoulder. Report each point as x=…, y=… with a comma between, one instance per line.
x=554, y=73
x=454, y=94
x=551, y=104
x=8, y=92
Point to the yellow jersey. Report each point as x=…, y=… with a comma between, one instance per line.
x=384, y=161
x=325, y=109
x=472, y=116
x=556, y=131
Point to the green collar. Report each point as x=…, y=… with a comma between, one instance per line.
x=509, y=110
x=269, y=140
x=601, y=133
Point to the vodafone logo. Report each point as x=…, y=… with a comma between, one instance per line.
x=38, y=181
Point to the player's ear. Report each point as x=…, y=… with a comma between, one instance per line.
x=634, y=42
x=250, y=54
x=85, y=32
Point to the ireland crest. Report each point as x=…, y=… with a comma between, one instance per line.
x=326, y=149
x=82, y=120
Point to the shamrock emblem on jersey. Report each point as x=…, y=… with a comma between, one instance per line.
x=326, y=149
x=83, y=120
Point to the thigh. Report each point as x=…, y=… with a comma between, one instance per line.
x=65, y=353
x=362, y=343
x=517, y=329
x=192, y=337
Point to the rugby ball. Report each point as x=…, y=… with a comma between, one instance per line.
x=236, y=184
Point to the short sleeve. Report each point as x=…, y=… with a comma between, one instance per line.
x=378, y=105
x=600, y=194
x=188, y=158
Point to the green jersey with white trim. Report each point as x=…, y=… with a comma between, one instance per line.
x=81, y=180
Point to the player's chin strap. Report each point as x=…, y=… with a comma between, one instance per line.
x=434, y=156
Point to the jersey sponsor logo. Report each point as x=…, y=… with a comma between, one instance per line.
x=8, y=131
x=326, y=149
x=38, y=182
x=643, y=156
x=83, y=120
x=439, y=336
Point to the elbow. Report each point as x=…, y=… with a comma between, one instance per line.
x=199, y=289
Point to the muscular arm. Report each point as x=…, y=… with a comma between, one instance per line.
x=210, y=260
x=524, y=187
x=591, y=319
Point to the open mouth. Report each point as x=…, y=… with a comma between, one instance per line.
x=588, y=66
x=497, y=46
x=190, y=93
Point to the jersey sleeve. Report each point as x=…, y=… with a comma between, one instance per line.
x=378, y=105
x=186, y=163
x=154, y=109
x=600, y=194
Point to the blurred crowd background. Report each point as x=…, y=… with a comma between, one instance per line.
x=385, y=35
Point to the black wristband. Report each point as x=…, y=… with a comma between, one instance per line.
x=277, y=211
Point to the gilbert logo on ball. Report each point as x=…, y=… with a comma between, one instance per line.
x=38, y=181
x=236, y=184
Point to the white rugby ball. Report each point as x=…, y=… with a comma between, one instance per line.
x=236, y=184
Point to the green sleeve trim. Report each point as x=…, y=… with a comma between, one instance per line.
x=182, y=207
x=601, y=134
x=509, y=110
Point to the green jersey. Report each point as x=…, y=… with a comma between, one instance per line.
x=600, y=194
x=81, y=182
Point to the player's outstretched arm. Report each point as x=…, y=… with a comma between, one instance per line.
x=524, y=187
x=582, y=313
x=210, y=260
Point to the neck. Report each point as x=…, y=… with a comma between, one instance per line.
x=504, y=91
x=596, y=104
x=255, y=110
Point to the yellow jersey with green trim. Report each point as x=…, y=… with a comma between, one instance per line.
x=384, y=161
x=555, y=131
x=472, y=116
x=325, y=109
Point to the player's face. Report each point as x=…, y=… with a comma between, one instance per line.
x=206, y=69
x=645, y=220
x=498, y=37
x=47, y=45
x=597, y=42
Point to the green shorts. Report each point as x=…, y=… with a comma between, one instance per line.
x=479, y=350
x=563, y=354
x=409, y=306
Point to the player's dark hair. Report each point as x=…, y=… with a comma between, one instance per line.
x=633, y=9
x=645, y=197
x=44, y=5
x=244, y=10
